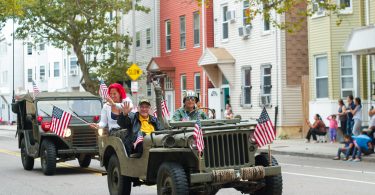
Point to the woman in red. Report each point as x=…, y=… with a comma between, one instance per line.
x=317, y=128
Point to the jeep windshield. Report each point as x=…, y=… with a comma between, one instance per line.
x=84, y=109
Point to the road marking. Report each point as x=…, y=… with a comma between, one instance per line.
x=97, y=172
x=327, y=168
x=331, y=178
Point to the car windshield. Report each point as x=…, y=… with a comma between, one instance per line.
x=81, y=108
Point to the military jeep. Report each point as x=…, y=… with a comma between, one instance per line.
x=35, y=138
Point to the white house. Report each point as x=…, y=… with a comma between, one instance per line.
x=255, y=65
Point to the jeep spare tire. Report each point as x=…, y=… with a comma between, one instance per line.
x=172, y=180
x=48, y=157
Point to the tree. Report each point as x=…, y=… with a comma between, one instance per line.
x=87, y=27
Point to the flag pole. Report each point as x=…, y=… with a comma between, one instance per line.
x=274, y=127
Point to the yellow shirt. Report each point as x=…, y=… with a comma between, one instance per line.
x=146, y=127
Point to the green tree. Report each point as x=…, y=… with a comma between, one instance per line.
x=89, y=28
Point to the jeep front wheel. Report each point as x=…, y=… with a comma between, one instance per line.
x=27, y=161
x=48, y=157
x=274, y=184
x=84, y=161
x=172, y=180
x=117, y=184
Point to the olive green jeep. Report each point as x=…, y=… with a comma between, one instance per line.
x=35, y=139
x=171, y=161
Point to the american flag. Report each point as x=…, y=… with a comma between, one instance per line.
x=198, y=136
x=264, y=131
x=164, y=108
x=155, y=114
x=60, y=120
x=139, y=140
x=36, y=90
x=103, y=90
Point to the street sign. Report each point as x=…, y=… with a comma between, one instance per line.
x=134, y=72
x=134, y=86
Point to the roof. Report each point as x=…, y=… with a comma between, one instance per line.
x=160, y=64
x=216, y=56
x=361, y=40
x=47, y=95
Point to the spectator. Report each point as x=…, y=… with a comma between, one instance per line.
x=228, y=113
x=362, y=144
x=318, y=128
x=357, y=116
x=350, y=121
x=347, y=149
x=371, y=125
x=342, y=117
x=332, y=127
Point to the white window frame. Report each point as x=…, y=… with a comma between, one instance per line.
x=138, y=43
x=354, y=72
x=225, y=22
x=182, y=32
x=168, y=84
x=346, y=10
x=42, y=46
x=29, y=49
x=196, y=27
x=183, y=90
x=149, y=89
x=322, y=77
x=30, y=75
x=168, y=36
x=320, y=10
x=148, y=37
x=42, y=77
x=197, y=91
x=56, y=68
x=263, y=75
x=243, y=86
x=245, y=6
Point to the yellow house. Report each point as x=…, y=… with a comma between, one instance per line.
x=336, y=72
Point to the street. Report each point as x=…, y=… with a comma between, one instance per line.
x=301, y=175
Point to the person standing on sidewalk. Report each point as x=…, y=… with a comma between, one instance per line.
x=350, y=121
x=332, y=127
x=342, y=117
x=317, y=128
x=357, y=116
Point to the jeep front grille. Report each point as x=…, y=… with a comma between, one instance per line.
x=226, y=150
x=84, y=138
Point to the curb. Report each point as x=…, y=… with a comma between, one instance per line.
x=325, y=156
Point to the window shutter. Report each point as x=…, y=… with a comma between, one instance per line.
x=241, y=96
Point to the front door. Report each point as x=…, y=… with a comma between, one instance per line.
x=214, y=101
x=169, y=97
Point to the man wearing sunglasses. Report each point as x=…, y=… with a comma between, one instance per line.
x=189, y=111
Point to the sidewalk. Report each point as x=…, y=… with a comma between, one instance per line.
x=298, y=147
x=8, y=127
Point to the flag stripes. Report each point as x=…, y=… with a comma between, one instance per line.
x=36, y=90
x=264, y=131
x=60, y=121
x=198, y=136
x=103, y=90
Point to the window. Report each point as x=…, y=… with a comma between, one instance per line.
x=225, y=22
x=73, y=63
x=168, y=85
x=182, y=32
x=56, y=69
x=148, y=37
x=42, y=72
x=196, y=29
x=41, y=46
x=317, y=9
x=245, y=16
x=149, y=89
x=246, y=86
x=183, y=86
x=266, y=84
x=347, y=87
x=345, y=6
x=266, y=24
x=29, y=49
x=30, y=75
x=138, y=39
x=5, y=77
x=197, y=84
x=321, y=75
x=168, y=35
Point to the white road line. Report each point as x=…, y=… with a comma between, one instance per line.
x=327, y=168
x=331, y=178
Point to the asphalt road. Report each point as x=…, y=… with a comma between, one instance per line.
x=301, y=175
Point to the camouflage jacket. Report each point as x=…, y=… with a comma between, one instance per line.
x=182, y=115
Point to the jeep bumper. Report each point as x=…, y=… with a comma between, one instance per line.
x=79, y=151
x=209, y=177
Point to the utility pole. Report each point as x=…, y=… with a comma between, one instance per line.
x=134, y=42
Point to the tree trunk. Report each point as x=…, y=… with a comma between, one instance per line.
x=88, y=84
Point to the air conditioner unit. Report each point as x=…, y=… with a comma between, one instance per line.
x=74, y=72
x=231, y=16
x=244, y=31
x=265, y=100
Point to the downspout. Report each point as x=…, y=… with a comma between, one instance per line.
x=278, y=71
x=368, y=58
x=204, y=49
x=155, y=50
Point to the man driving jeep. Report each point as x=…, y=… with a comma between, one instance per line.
x=189, y=110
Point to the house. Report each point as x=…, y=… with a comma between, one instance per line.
x=335, y=70
x=255, y=65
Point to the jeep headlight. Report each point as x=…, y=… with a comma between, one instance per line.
x=169, y=142
x=68, y=132
x=191, y=143
x=100, y=131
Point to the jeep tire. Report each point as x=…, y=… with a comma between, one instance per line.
x=27, y=161
x=117, y=184
x=274, y=184
x=84, y=161
x=172, y=180
x=48, y=157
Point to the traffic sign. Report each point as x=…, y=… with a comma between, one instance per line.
x=134, y=86
x=134, y=72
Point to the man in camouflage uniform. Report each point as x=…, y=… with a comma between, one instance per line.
x=189, y=111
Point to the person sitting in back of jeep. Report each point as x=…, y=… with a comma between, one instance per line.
x=138, y=124
x=189, y=110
